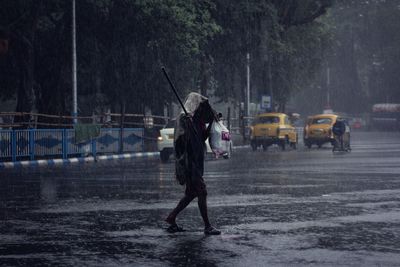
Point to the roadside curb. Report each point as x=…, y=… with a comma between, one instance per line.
x=242, y=146
x=53, y=162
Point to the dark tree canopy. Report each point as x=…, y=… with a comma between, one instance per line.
x=121, y=46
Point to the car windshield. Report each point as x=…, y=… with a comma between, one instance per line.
x=170, y=124
x=322, y=121
x=266, y=119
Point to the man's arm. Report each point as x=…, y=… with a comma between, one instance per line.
x=208, y=130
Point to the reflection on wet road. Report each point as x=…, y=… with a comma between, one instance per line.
x=305, y=207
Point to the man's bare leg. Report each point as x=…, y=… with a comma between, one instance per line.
x=181, y=206
x=208, y=229
x=202, y=202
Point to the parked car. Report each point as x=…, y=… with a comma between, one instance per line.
x=318, y=130
x=165, y=143
x=272, y=128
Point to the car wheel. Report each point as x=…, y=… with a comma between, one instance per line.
x=253, y=146
x=319, y=145
x=228, y=155
x=294, y=145
x=285, y=142
x=307, y=143
x=265, y=147
x=164, y=156
x=282, y=144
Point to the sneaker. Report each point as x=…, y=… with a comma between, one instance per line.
x=211, y=231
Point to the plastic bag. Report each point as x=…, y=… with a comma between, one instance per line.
x=219, y=134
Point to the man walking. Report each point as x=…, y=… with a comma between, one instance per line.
x=189, y=137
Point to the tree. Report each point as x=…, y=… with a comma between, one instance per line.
x=281, y=37
x=122, y=45
x=20, y=19
x=364, y=55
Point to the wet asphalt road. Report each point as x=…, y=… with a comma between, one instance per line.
x=296, y=208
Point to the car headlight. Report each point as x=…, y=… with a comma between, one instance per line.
x=159, y=138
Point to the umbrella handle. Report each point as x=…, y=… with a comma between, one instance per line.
x=173, y=89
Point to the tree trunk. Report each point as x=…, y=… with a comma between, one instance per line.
x=203, y=76
x=25, y=96
x=24, y=51
x=25, y=92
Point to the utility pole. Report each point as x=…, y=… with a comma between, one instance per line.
x=74, y=78
x=248, y=86
x=328, y=82
x=271, y=91
x=246, y=111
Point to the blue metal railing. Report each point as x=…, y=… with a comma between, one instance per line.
x=32, y=144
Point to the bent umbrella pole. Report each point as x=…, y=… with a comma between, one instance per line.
x=180, y=101
x=173, y=89
x=176, y=94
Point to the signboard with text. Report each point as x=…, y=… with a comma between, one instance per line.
x=266, y=102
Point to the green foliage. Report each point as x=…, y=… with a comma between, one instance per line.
x=122, y=44
x=284, y=42
x=365, y=55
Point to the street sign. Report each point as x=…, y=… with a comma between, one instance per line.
x=266, y=102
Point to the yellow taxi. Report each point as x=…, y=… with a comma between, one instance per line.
x=272, y=128
x=318, y=130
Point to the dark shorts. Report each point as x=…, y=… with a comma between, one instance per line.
x=196, y=188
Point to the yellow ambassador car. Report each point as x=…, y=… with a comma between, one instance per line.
x=272, y=128
x=318, y=130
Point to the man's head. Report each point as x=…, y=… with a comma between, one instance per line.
x=205, y=112
x=199, y=107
